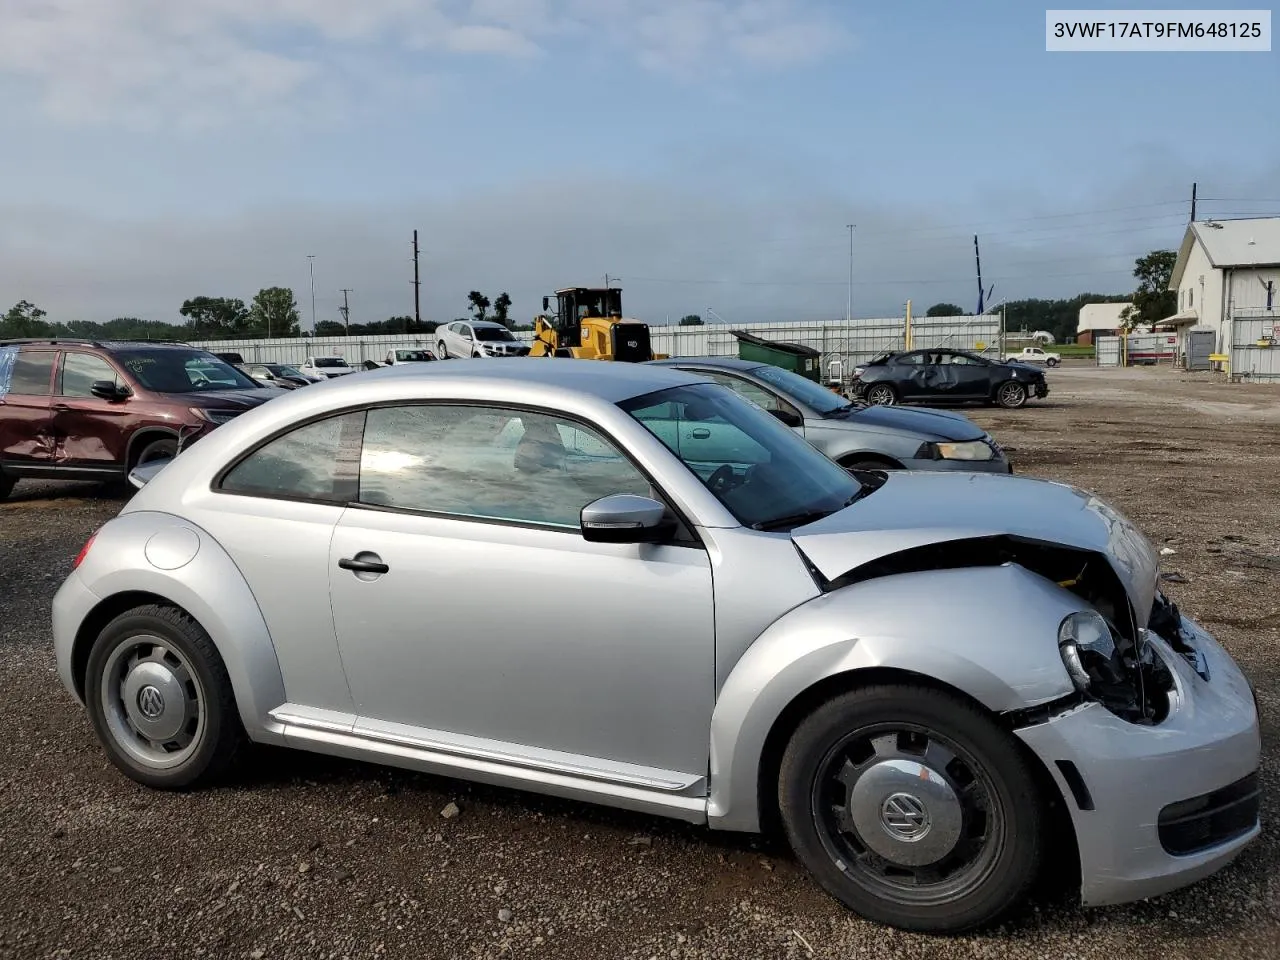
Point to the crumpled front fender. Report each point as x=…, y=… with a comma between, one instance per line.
x=990, y=632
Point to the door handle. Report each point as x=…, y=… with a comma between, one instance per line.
x=700, y=434
x=363, y=566
x=60, y=408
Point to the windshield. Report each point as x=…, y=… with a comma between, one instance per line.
x=183, y=371
x=763, y=472
x=330, y=362
x=407, y=355
x=812, y=395
x=493, y=333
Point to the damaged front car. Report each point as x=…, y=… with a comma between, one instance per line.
x=926, y=677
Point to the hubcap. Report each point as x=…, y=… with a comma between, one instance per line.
x=1010, y=393
x=153, y=702
x=880, y=396
x=907, y=814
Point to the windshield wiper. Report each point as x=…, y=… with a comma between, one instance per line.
x=810, y=516
x=847, y=409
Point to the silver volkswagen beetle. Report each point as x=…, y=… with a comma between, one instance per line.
x=856, y=435
x=925, y=677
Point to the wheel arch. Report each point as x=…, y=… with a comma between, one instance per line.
x=975, y=646
x=143, y=436
x=209, y=588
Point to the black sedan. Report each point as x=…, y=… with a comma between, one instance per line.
x=942, y=375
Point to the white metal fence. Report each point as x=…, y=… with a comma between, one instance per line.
x=847, y=343
x=1255, y=345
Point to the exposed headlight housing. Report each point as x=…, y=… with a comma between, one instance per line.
x=965, y=450
x=215, y=416
x=1129, y=680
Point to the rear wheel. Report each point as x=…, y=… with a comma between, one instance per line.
x=881, y=395
x=160, y=699
x=912, y=807
x=1011, y=394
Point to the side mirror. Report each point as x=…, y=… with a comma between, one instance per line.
x=107, y=390
x=546, y=304
x=787, y=417
x=626, y=518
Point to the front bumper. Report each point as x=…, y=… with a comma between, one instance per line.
x=1209, y=744
x=997, y=465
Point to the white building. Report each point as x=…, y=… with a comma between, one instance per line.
x=1098, y=320
x=1228, y=278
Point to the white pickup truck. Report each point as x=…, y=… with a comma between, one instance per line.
x=326, y=367
x=1034, y=355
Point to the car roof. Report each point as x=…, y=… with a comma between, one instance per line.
x=99, y=344
x=486, y=323
x=721, y=363
x=607, y=380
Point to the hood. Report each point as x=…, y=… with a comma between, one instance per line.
x=225, y=399
x=933, y=424
x=1025, y=367
x=914, y=509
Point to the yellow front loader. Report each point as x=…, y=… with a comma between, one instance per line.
x=588, y=324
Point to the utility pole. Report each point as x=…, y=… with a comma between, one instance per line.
x=311, y=259
x=978, y=260
x=848, y=313
x=417, y=286
x=345, y=310
x=1193, y=203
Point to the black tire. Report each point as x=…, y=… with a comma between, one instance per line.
x=6, y=485
x=162, y=637
x=442, y=352
x=165, y=447
x=855, y=463
x=880, y=394
x=1052, y=362
x=1011, y=395
x=992, y=788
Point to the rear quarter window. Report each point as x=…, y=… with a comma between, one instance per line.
x=317, y=462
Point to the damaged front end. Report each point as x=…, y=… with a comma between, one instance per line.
x=1104, y=649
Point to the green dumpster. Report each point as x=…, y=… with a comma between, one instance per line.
x=795, y=357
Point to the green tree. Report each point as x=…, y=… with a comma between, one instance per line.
x=944, y=310
x=691, y=320
x=214, y=317
x=274, y=313
x=1153, y=300
x=331, y=328
x=502, y=309
x=479, y=304
x=25, y=319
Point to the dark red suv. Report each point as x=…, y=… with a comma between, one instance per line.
x=93, y=410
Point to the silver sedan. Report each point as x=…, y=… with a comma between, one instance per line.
x=857, y=435
x=926, y=677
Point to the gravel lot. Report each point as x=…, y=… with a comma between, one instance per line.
x=308, y=857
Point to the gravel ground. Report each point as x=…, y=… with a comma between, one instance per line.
x=303, y=856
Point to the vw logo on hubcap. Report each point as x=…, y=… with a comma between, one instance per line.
x=150, y=702
x=904, y=817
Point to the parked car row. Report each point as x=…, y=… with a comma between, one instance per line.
x=940, y=684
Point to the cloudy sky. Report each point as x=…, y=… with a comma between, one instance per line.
x=710, y=153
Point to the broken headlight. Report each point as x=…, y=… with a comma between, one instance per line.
x=1132, y=683
x=966, y=450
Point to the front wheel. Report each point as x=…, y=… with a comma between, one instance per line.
x=1011, y=395
x=165, y=449
x=880, y=395
x=442, y=351
x=912, y=808
x=160, y=699
x=1052, y=362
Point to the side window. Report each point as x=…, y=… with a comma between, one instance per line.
x=756, y=394
x=912, y=359
x=489, y=463
x=80, y=371
x=32, y=372
x=314, y=462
